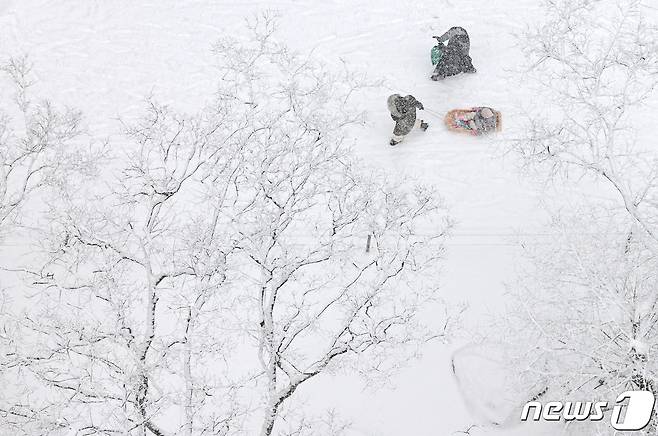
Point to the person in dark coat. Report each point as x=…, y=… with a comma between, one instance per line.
x=455, y=57
x=403, y=112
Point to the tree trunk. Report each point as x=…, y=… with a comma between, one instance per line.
x=268, y=420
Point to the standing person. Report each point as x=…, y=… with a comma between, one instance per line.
x=455, y=56
x=403, y=112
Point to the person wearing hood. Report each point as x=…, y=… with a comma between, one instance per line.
x=403, y=112
x=455, y=56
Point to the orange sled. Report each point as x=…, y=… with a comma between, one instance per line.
x=455, y=120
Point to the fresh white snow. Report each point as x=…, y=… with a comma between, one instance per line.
x=105, y=57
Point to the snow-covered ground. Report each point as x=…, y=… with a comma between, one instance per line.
x=105, y=57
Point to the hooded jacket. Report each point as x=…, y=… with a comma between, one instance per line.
x=455, y=58
x=403, y=112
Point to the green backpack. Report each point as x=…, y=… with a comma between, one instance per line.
x=436, y=53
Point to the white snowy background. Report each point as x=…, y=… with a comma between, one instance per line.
x=105, y=57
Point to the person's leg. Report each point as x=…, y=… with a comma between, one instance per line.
x=438, y=73
x=421, y=124
x=402, y=127
x=396, y=139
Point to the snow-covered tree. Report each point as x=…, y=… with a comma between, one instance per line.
x=94, y=347
x=40, y=144
x=596, y=67
x=220, y=262
x=583, y=319
x=319, y=297
x=582, y=326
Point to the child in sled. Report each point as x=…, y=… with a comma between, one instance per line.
x=403, y=112
x=476, y=120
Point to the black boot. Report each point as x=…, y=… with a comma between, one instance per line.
x=394, y=142
x=424, y=125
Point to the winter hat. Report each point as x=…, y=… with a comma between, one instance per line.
x=392, y=97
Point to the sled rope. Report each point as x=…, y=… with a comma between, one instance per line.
x=432, y=112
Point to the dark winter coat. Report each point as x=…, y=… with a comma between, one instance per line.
x=456, y=31
x=403, y=112
x=455, y=58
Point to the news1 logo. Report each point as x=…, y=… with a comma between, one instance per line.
x=637, y=405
